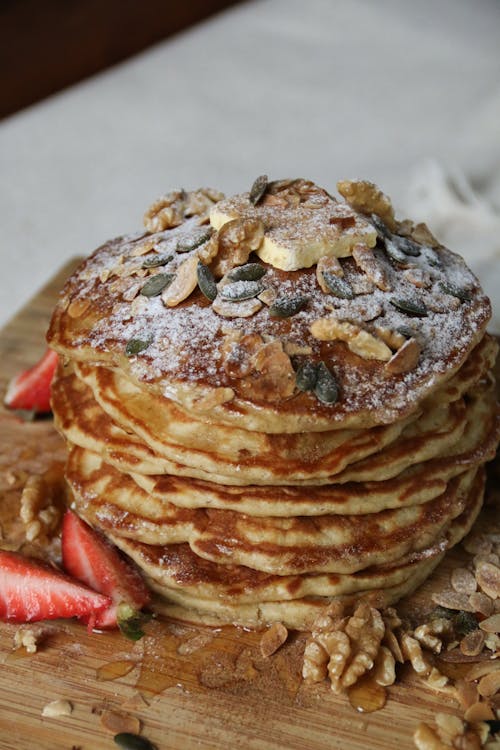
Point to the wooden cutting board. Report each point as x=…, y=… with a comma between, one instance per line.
x=189, y=687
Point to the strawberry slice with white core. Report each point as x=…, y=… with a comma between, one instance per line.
x=31, y=590
x=88, y=556
x=30, y=389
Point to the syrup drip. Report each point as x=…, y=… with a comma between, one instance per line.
x=115, y=669
x=367, y=696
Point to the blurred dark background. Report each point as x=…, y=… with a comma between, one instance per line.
x=46, y=45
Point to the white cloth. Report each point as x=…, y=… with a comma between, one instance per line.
x=325, y=89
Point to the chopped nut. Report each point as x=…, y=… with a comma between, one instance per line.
x=55, y=709
x=216, y=397
x=183, y=284
x=418, y=277
x=367, y=198
x=273, y=638
x=472, y=644
x=276, y=375
x=489, y=684
x=393, y=339
x=242, y=309
x=365, y=260
x=234, y=242
x=359, y=341
x=481, y=603
x=488, y=578
x=449, y=727
x=429, y=634
x=384, y=671
x=42, y=504
x=170, y=210
x=463, y=581
x=26, y=638
x=314, y=667
x=365, y=630
x=406, y=358
x=479, y=711
x=268, y=296
x=491, y=624
x=426, y=738
x=338, y=647
x=118, y=721
x=453, y=600
x=412, y=651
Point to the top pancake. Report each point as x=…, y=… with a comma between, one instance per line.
x=242, y=369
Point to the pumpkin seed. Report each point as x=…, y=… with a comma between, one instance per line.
x=326, y=388
x=156, y=284
x=408, y=246
x=408, y=333
x=136, y=346
x=258, y=189
x=185, y=246
x=410, y=307
x=156, y=260
x=306, y=376
x=129, y=741
x=206, y=281
x=464, y=295
x=337, y=285
x=393, y=251
x=432, y=257
x=239, y=290
x=382, y=231
x=248, y=272
x=285, y=307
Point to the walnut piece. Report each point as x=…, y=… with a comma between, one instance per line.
x=365, y=260
x=273, y=638
x=170, y=210
x=263, y=367
x=405, y=359
x=367, y=198
x=43, y=503
x=56, y=709
x=359, y=341
x=233, y=244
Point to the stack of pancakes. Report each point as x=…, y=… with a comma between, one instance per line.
x=276, y=400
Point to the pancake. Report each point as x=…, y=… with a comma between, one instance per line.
x=276, y=401
x=433, y=434
x=191, y=348
x=199, y=591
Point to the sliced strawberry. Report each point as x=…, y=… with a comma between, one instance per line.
x=31, y=389
x=88, y=556
x=30, y=590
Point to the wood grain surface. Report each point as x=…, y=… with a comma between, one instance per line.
x=220, y=694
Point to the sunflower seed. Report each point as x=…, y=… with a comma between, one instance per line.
x=408, y=246
x=338, y=286
x=156, y=260
x=258, y=189
x=241, y=290
x=326, y=388
x=464, y=295
x=185, y=246
x=410, y=307
x=306, y=376
x=286, y=307
x=206, y=281
x=156, y=284
x=248, y=272
x=136, y=346
x=129, y=741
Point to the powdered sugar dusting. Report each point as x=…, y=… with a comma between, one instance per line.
x=186, y=340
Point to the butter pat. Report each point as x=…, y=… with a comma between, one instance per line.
x=298, y=236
